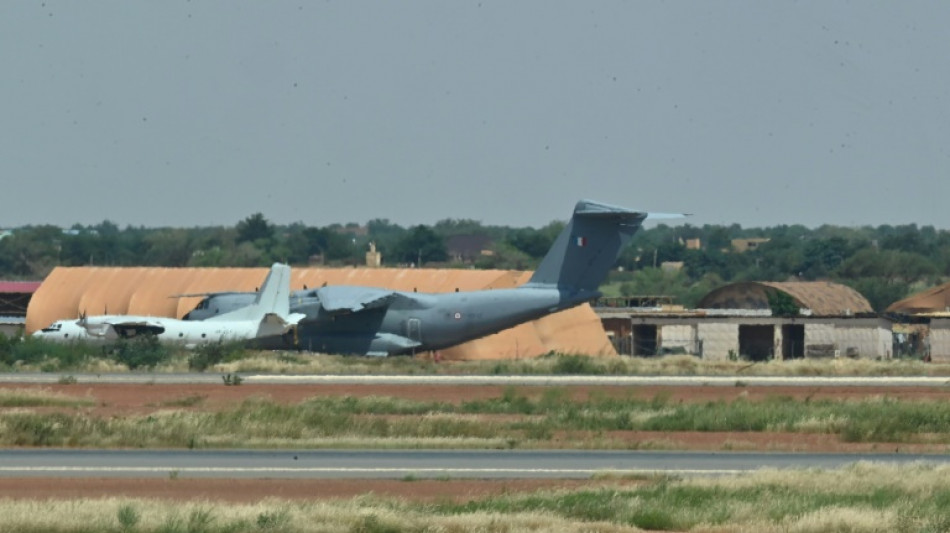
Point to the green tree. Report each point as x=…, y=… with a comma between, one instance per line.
x=420, y=246
x=254, y=228
x=31, y=252
x=891, y=265
x=169, y=247
x=822, y=256
x=529, y=241
x=332, y=245
x=880, y=292
x=506, y=257
x=781, y=303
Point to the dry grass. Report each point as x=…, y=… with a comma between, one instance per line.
x=672, y=365
x=292, y=362
x=863, y=498
x=16, y=397
x=358, y=514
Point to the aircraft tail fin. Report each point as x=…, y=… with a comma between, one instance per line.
x=272, y=300
x=588, y=247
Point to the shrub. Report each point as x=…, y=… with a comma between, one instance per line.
x=212, y=353
x=140, y=352
x=576, y=364
x=128, y=517
x=50, y=355
x=277, y=520
x=231, y=379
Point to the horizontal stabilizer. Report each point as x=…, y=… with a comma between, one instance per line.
x=274, y=324
x=667, y=216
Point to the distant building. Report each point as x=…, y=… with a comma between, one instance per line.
x=744, y=245
x=692, y=244
x=671, y=266
x=940, y=339
x=736, y=321
x=374, y=259
x=930, y=308
x=468, y=248
x=930, y=301
x=14, y=298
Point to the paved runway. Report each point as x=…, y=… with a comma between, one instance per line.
x=673, y=381
x=342, y=464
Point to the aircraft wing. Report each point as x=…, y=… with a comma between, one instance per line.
x=117, y=327
x=204, y=294
x=352, y=299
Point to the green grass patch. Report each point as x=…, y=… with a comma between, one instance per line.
x=850, y=499
x=511, y=419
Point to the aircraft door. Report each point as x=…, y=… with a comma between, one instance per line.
x=414, y=329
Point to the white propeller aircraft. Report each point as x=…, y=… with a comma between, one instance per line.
x=269, y=315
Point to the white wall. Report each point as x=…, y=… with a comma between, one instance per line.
x=940, y=341
x=679, y=336
x=866, y=342
x=718, y=340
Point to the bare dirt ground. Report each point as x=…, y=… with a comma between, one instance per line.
x=123, y=400
x=254, y=490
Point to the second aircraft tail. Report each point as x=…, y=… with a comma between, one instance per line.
x=271, y=304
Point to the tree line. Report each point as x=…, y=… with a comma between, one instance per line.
x=884, y=263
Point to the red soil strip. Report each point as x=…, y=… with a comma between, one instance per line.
x=254, y=490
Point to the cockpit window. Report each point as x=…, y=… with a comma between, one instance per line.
x=55, y=326
x=203, y=304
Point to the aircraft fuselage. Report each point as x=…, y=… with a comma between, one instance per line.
x=434, y=321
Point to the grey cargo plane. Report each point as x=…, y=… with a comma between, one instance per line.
x=381, y=322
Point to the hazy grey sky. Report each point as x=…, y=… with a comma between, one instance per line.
x=182, y=113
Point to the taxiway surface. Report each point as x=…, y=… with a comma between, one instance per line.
x=390, y=464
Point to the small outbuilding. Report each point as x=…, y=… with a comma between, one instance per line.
x=934, y=300
x=929, y=310
x=758, y=321
x=940, y=339
x=14, y=299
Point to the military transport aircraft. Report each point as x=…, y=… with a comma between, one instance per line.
x=267, y=315
x=381, y=322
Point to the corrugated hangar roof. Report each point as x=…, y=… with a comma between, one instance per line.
x=19, y=287
x=69, y=291
x=823, y=298
x=933, y=300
